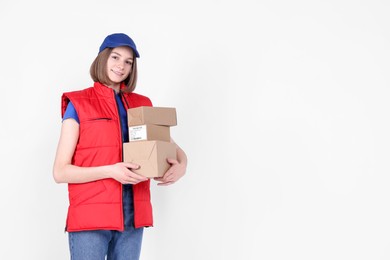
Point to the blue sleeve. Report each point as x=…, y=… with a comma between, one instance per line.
x=71, y=112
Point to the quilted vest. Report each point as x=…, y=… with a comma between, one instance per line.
x=98, y=204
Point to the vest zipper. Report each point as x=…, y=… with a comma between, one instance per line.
x=120, y=121
x=121, y=134
x=124, y=99
x=127, y=106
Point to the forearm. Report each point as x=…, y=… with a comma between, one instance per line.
x=181, y=156
x=73, y=174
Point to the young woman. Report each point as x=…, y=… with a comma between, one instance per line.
x=109, y=203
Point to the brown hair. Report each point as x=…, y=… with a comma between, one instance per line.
x=98, y=71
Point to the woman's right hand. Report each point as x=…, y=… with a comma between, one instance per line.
x=122, y=172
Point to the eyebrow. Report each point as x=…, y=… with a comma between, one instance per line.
x=121, y=55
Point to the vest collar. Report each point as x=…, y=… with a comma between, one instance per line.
x=104, y=90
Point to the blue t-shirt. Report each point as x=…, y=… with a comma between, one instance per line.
x=71, y=112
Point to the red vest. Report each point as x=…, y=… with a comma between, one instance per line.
x=98, y=204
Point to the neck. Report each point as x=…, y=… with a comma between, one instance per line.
x=115, y=87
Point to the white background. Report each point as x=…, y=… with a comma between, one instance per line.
x=282, y=109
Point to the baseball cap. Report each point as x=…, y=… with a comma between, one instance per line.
x=118, y=39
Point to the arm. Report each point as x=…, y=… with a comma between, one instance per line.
x=65, y=172
x=177, y=169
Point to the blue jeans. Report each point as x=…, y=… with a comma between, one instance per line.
x=116, y=245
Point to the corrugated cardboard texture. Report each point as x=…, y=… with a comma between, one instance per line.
x=152, y=115
x=150, y=155
x=149, y=133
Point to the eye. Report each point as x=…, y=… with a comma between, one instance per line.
x=129, y=62
x=114, y=57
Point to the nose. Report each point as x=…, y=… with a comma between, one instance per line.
x=120, y=64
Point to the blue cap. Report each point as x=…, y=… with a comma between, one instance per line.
x=118, y=39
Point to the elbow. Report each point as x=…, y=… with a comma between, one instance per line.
x=57, y=176
x=58, y=181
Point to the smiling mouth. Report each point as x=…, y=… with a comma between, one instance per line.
x=117, y=73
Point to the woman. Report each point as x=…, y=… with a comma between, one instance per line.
x=109, y=203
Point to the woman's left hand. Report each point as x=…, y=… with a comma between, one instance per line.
x=173, y=174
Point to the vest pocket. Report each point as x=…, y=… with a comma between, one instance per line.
x=97, y=119
x=96, y=132
x=80, y=193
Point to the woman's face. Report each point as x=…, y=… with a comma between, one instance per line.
x=119, y=65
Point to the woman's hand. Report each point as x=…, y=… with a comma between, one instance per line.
x=173, y=174
x=122, y=172
x=177, y=169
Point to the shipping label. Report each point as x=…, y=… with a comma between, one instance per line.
x=137, y=133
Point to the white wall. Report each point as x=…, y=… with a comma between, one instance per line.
x=283, y=111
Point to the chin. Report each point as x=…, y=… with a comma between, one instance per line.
x=116, y=80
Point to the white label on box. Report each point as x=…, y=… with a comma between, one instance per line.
x=137, y=133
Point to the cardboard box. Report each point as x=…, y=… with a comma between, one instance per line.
x=151, y=115
x=150, y=155
x=149, y=133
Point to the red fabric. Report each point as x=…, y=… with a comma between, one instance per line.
x=98, y=204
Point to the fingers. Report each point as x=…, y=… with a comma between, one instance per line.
x=167, y=179
x=172, y=161
x=171, y=175
x=165, y=183
x=132, y=177
x=135, y=176
x=131, y=165
x=131, y=181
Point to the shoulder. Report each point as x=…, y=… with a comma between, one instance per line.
x=73, y=96
x=78, y=93
x=138, y=99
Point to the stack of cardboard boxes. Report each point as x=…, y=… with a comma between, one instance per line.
x=149, y=139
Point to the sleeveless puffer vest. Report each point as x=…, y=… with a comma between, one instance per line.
x=98, y=204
